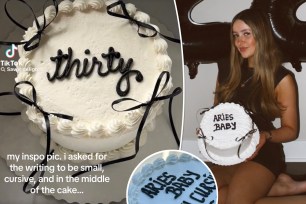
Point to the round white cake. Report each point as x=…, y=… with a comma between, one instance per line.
x=86, y=60
x=228, y=134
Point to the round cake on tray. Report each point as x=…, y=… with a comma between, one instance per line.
x=227, y=134
x=86, y=60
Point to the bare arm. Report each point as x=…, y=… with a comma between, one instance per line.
x=286, y=93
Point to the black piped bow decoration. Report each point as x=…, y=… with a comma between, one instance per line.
x=155, y=98
x=32, y=43
x=127, y=16
x=33, y=102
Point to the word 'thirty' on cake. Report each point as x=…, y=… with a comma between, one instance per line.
x=86, y=60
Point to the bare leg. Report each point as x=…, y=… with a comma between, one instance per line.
x=285, y=186
x=223, y=175
x=250, y=183
x=283, y=200
x=280, y=189
x=222, y=194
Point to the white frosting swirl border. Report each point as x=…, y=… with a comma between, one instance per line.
x=78, y=128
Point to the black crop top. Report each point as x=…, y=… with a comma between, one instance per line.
x=244, y=93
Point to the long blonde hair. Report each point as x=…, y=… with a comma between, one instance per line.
x=266, y=63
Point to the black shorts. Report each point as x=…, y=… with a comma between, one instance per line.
x=272, y=157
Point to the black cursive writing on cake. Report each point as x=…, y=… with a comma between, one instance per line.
x=83, y=70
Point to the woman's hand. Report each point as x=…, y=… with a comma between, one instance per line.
x=262, y=141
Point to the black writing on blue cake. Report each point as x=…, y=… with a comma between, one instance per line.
x=182, y=182
x=152, y=189
x=202, y=192
x=176, y=186
x=170, y=184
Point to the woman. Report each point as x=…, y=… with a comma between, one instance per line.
x=257, y=81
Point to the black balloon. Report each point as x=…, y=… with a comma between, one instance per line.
x=210, y=42
x=289, y=31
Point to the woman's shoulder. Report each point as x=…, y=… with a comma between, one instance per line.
x=281, y=73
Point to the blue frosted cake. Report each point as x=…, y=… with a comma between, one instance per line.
x=175, y=178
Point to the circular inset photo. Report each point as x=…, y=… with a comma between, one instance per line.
x=172, y=176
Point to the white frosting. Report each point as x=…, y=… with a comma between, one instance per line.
x=65, y=6
x=96, y=127
x=226, y=143
x=224, y=124
x=161, y=46
x=142, y=17
x=80, y=5
x=96, y=4
x=96, y=130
